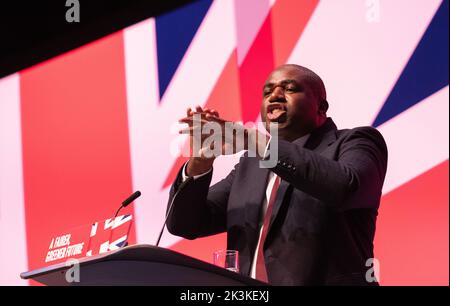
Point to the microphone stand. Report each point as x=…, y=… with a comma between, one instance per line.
x=189, y=179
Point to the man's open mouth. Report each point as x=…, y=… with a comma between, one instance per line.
x=276, y=112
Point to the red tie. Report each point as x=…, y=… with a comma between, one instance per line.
x=261, y=272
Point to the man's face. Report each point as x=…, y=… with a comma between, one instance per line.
x=289, y=100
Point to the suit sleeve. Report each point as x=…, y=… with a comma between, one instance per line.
x=354, y=180
x=199, y=210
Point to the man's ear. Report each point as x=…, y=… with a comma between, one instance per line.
x=323, y=107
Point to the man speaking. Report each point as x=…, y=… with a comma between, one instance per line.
x=310, y=218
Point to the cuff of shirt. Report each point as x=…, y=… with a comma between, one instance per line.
x=185, y=176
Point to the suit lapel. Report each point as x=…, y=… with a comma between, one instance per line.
x=257, y=192
x=281, y=193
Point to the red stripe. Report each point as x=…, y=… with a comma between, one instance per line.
x=272, y=46
x=76, y=156
x=412, y=231
x=254, y=71
x=289, y=19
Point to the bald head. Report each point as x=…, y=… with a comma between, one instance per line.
x=313, y=80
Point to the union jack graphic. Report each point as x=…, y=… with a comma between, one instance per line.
x=109, y=235
x=98, y=122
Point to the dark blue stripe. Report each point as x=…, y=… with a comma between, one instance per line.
x=174, y=33
x=426, y=71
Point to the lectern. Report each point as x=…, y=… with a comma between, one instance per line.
x=141, y=265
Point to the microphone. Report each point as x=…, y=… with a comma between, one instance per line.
x=182, y=185
x=128, y=201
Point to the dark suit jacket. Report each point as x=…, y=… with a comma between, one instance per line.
x=323, y=220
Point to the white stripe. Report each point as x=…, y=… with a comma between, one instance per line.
x=360, y=61
x=151, y=125
x=417, y=139
x=141, y=68
x=13, y=249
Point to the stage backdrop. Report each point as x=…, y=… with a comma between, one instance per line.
x=82, y=131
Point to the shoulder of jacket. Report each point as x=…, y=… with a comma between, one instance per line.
x=368, y=131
